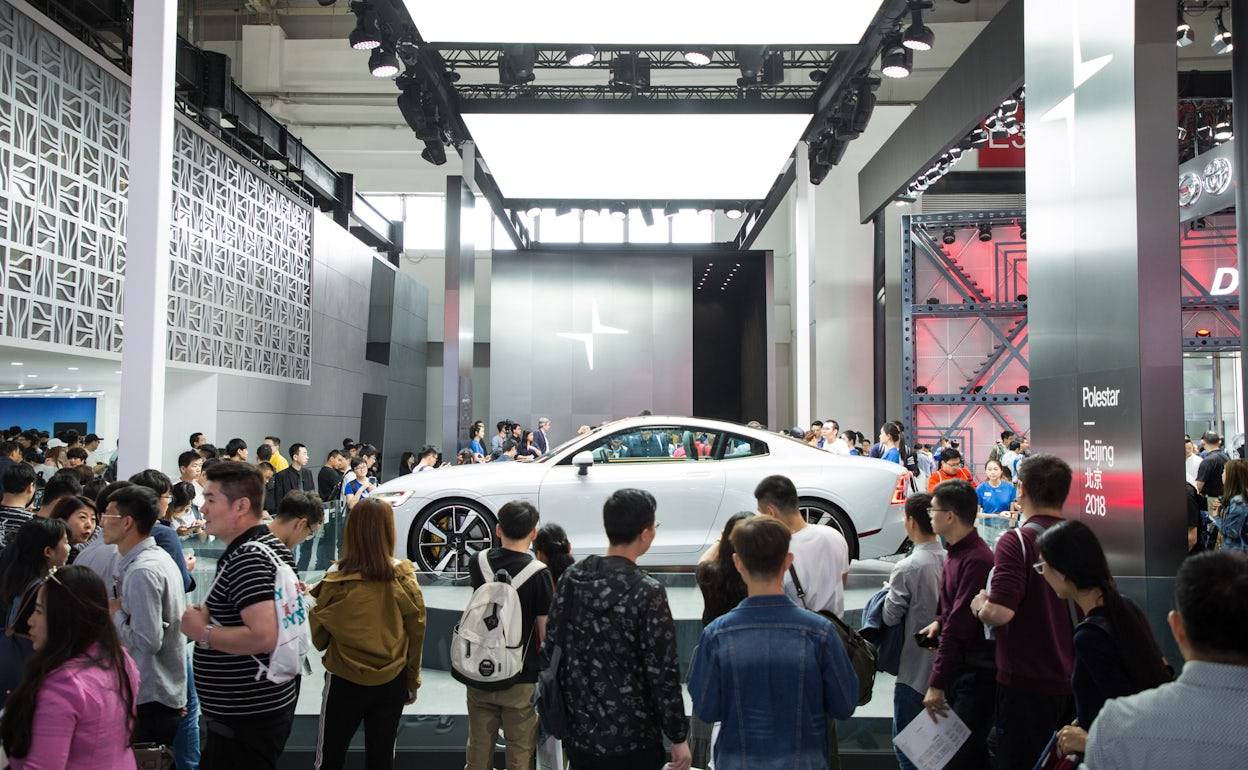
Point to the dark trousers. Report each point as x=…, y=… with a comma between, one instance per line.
x=972, y=696
x=651, y=757
x=1025, y=722
x=251, y=742
x=344, y=705
x=156, y=723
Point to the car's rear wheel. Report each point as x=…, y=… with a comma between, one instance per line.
x=827, y=514
x=447, y=535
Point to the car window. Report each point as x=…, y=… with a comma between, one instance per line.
x=659, y=443
x=738, y=446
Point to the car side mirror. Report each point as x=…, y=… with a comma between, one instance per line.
x=583, y=460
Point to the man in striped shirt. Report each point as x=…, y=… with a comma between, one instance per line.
x=248, y=716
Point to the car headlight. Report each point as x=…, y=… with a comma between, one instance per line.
x=394, y=498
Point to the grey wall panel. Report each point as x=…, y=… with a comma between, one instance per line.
x=543, y=333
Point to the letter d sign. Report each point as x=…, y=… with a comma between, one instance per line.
x=1225, y=281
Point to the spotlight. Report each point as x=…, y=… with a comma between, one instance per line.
x=647, y=216
x=698, y=57
x=977, y=138
x=921, y=390
x=671, y=210
x=1022, y=229
x=533, y=211
x=434, y=153
x=1008, y=107
x=864, y=106
x=1182, y=133
x=704, y=209
x=985, y=232
x=562, y=208
x=735, y=211
x=933, y=300
x=1183, y=32
x=818, y=169
x=1222, y=131
x=619, y=211
x=326, y=3
x=750, y=61
x=591, y=210
x=1021, y=298
x=1222, y=42
x=1022, y=390
x=949, y=237
x=919, y=36
x=1205, y=132
x=580, y=55
x=977, y=388
x=383, y=63
x=515, y=65
x=630, y=71
x=1202, y=332
x=365, y=36
x=897, y=60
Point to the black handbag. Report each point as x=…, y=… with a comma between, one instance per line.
x=152, y=756
x=548, y=697
x=862, y=654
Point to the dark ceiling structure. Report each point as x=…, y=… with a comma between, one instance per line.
x=441, y=83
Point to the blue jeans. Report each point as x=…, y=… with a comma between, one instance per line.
x=186, y=745
x=907, y=704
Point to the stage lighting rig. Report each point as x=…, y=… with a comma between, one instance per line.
x=580, y=55
x=365, y=36
x=985, y=231
x=949, y=236
x=896, y=61
x=516, y=63
x=1183, y=31
x=919, y=36
x=1222, y=41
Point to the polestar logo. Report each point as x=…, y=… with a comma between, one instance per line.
x=595, y=327
x=1083, y=72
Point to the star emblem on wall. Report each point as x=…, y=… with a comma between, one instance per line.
x=1083, y=72
x=596, y=327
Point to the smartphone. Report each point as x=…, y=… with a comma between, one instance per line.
x=924, y=641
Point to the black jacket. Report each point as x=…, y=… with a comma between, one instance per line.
x=620, y=672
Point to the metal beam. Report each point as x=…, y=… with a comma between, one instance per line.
x=656, y=100
x=988, y=71
x=754, y=222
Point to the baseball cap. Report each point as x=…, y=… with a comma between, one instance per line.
x=92, y=437
x=54, y=443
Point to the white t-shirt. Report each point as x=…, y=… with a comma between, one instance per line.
x=821, y=558
x=838, y=447
x=1192, y=466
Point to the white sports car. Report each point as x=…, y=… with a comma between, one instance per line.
x=699, y=471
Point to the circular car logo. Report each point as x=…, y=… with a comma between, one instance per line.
x=1217, y=176
x=1190, y=189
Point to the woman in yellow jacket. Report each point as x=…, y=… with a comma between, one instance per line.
x=370, y=620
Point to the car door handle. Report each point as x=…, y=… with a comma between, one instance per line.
x=697, y=474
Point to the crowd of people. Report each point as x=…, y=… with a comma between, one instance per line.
x=1029, y=642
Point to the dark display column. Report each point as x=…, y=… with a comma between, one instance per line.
x=458, y=329
x=1106, y=374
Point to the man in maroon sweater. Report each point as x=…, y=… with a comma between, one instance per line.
x=964, y=675
x=1034, y=628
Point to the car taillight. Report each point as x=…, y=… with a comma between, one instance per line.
x=899, y=492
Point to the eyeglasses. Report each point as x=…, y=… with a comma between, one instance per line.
x=1039, y=567
x=939, y=510
x=112, y=515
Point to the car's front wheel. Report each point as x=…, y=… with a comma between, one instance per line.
x=825, y=513
x=447, y=535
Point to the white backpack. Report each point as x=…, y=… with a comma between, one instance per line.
x=487, y=648
x=294, y=636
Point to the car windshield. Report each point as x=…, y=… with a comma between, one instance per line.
x=556, y=450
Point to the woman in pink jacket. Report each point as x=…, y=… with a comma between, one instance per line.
x=74, y=708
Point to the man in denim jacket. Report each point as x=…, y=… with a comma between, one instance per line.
x=769, y=670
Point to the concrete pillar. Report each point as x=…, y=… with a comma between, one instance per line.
x=150, y=197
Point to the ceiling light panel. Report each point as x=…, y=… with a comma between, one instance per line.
x=624, y=157
x=648, y=22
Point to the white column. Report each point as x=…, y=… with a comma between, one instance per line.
x=150, y=195
x=803, y=281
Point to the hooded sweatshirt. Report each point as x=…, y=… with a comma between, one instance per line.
x=370, y=629
x=620, y=671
